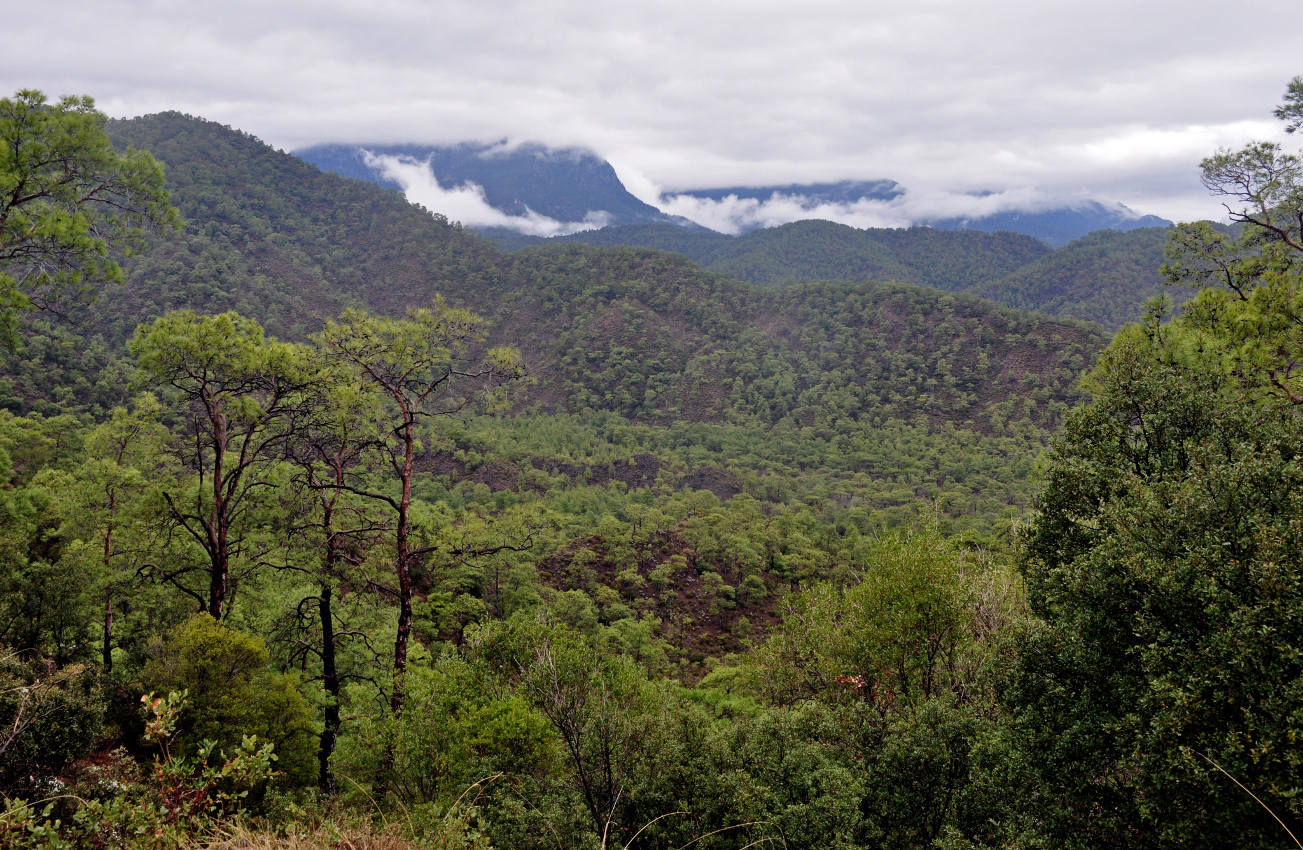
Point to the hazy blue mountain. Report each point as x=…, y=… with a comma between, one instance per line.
x=1059, y=226
x=574, y=185
x=566, y=184
x=841, y=192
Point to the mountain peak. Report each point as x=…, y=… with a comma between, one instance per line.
x=532, y=189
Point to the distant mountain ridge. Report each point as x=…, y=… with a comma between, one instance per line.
x=575, y=185
x=1104, y=277
x=564, y=184
x=841, y=192
x=1059, y=226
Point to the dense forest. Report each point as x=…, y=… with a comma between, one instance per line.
x=326, y=522
x=1105, y=277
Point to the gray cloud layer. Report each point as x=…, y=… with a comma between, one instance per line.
x=1116, y=100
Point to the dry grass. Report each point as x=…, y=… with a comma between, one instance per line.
x=324, y=836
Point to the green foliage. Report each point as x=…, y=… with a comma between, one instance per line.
x=68, y=200
x=1254, y=272
x=452, y=732
x=1164, y=563
x=232, y=695
x=895, y=670
x=43, y=592
x=117, y=805
x=918, y=623
x=49, y=716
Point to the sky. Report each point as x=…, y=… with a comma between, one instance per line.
x=1029, y=103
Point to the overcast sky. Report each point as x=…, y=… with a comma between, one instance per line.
x=1111, y=100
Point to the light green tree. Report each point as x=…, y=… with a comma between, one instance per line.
x=238, y=392
x=109, y=506
x=68, y=202
x=427, y=365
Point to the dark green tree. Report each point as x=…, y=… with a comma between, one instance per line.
x=1164, y=563
x=1164, y=557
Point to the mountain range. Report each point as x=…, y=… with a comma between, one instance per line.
x=535, y=190
x=813, y=362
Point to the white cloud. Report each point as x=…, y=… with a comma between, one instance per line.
x=466, y=203
x=734, y=215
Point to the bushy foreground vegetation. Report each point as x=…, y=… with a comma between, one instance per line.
x=365, y=586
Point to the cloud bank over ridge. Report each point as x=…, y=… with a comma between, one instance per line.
x=733, y=214
x=466, y=202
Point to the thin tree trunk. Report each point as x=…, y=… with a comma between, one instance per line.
x=217, y=530
x=107, y=656
x=403, y=565
x=330, y=680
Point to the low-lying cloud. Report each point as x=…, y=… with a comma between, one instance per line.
x=734, y=215
x=467, y=203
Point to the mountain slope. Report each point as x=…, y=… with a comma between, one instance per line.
x=272, y=236
x=1105, y=277
x=827, y=251
x=643, y=333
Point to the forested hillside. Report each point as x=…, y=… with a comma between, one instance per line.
x=924, y=383
x=1105, y=277
x=328, y=523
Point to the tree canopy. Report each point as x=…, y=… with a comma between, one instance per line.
x=69, y=202
x=1165, y=675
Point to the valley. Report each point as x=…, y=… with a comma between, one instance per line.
x=324, y=515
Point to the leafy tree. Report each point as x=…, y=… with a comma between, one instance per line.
x=426, y=366
x=67, y=199
x=1164, y=556
x=232, y=693
x=238, y=391
x=1164, y=563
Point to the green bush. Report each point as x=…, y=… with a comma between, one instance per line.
x=233, y=694
x=48, y=719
